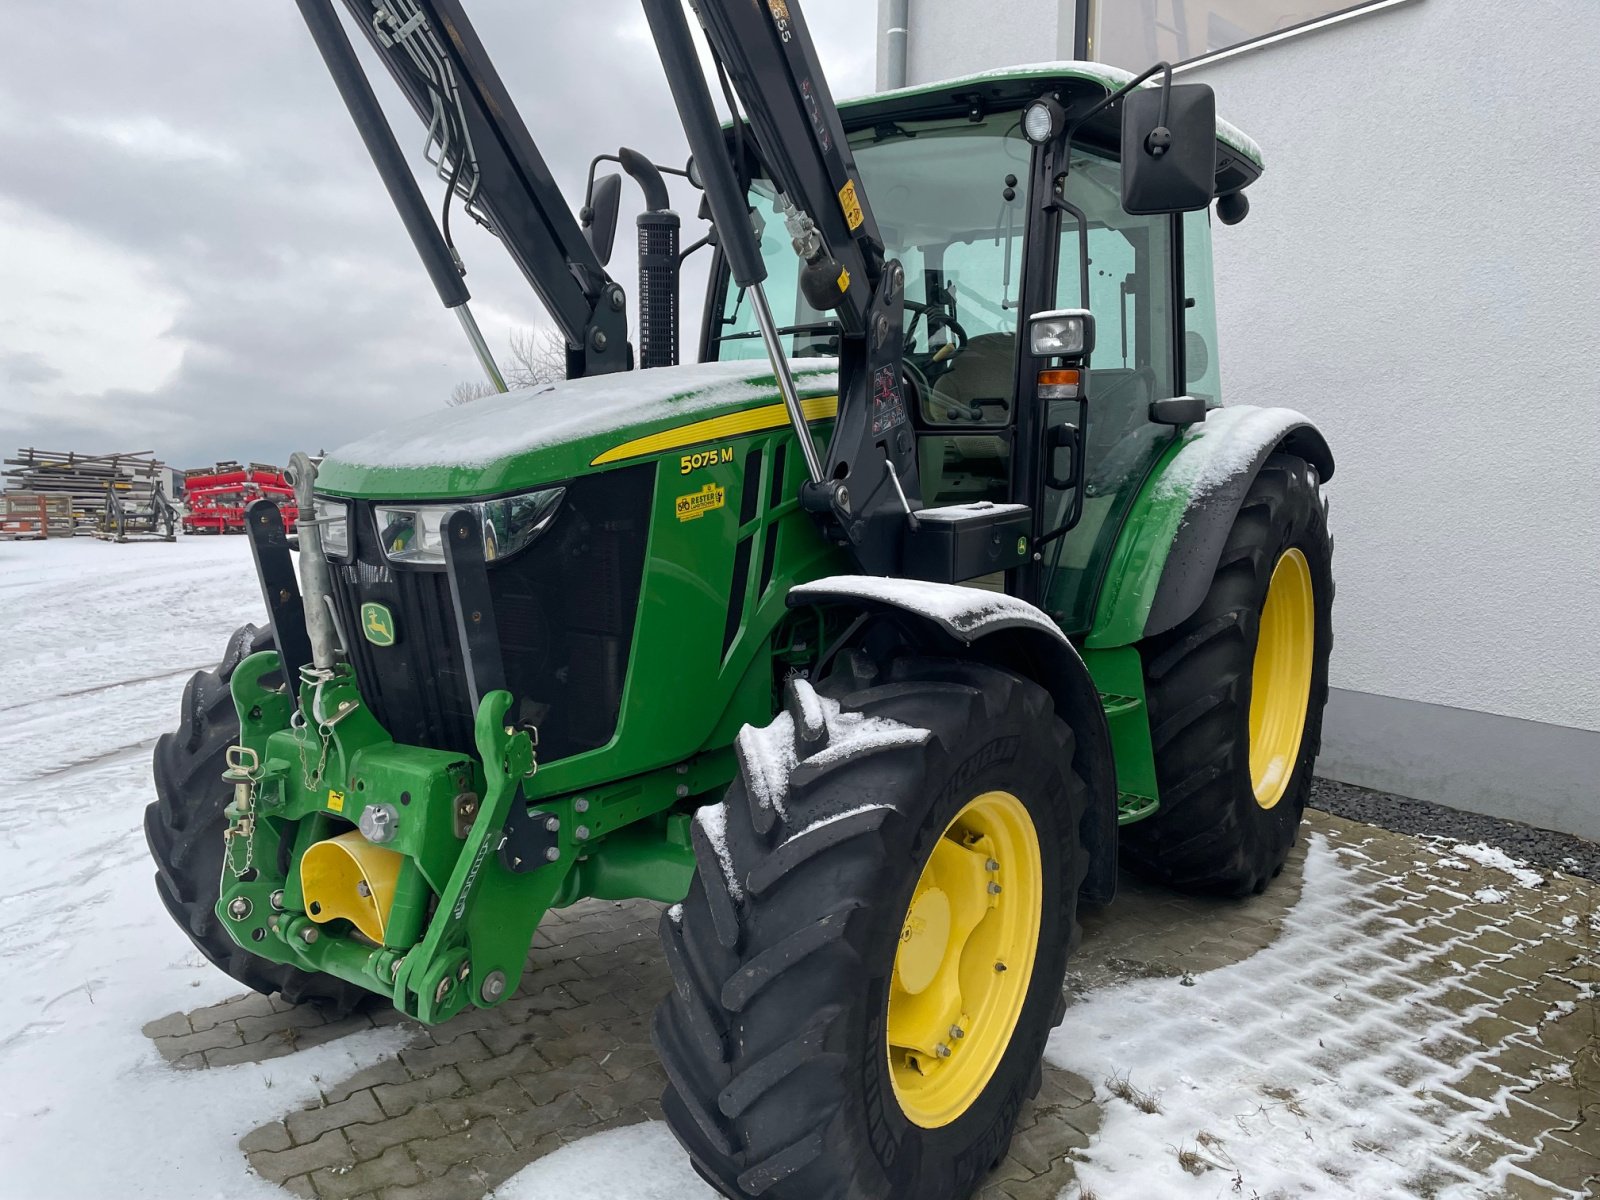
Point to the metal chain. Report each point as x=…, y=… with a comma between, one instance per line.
x=315, y=678
x=244, y=772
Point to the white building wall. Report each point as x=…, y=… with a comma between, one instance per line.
x=954, y=37
x=1420, y=273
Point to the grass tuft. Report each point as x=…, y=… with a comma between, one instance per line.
x=1120, y=1087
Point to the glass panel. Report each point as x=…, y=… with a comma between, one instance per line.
x=937, y=190
x=1136, y=33
x=1203, y=378
x=1130, y=294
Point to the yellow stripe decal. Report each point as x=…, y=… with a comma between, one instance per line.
x=754, y=420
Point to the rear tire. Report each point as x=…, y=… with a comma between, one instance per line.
x=184, y=829
x=776, y=1039
x=1211, y=834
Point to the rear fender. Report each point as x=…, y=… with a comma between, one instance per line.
x=1012, y=634
x=1173, y=537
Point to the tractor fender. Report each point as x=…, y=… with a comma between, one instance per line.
x=1010, y=633
x=1172, y=539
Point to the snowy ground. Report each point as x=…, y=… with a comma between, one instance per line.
x=1292, y=1073
x=96, y=641
x=1303, y=1070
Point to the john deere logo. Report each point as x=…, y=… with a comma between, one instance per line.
x=377, y=622
x=698, y=504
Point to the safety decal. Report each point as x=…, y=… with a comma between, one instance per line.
x=335, y=801
x=888, y=410
x=808, y=93
x=697, y=504
x=851, y=204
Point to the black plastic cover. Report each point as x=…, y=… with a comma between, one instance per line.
x=964, y=541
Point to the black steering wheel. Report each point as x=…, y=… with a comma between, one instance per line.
x=938, y=319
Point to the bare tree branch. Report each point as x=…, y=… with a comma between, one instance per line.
x=537, y=357
x=469, y=390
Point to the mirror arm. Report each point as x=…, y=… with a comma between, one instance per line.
x=1113, y=97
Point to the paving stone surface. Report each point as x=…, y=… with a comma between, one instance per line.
x=1484, y=995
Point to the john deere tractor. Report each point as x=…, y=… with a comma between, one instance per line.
x=870, y=644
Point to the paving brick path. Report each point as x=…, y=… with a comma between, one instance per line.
x=1499, y=1025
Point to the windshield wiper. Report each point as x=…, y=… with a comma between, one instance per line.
x=809, y=327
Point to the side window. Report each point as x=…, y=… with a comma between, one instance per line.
x=1111, y=277
x=1204, y=377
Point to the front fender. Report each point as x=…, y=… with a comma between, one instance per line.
x=1008, y=632
x=1172, y=539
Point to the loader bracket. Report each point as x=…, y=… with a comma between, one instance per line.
x=532, y=838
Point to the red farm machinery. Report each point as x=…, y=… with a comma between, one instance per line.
x=217, y=496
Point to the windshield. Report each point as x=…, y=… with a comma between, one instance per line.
x=939, y=191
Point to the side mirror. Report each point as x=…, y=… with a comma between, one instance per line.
x=1178, y=410
x=599, y=216
x=1169, y=165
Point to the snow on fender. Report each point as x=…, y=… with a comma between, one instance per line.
x=965, y=613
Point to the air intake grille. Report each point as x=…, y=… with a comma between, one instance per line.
x=565, y=608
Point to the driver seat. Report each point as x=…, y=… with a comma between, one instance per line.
x=983, y=371
x=956, y=453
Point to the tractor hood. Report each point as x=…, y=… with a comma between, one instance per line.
x=520, y=439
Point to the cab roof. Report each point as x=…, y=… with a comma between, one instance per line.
x=1239, y=161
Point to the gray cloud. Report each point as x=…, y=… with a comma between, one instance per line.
x=222, y=275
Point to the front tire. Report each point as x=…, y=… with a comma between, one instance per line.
x=793, y=988
x=184, y=829
x=1236, y=695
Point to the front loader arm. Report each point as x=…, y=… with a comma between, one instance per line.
x=865, y=486
x=488, y=159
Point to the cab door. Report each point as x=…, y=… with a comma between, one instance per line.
x=1121, y=268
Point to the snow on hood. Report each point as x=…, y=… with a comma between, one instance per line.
x=503, y=426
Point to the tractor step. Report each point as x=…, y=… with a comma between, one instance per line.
x=1131, y=808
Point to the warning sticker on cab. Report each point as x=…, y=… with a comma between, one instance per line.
x=853, y=216
x=698, y=504
x=335, y=801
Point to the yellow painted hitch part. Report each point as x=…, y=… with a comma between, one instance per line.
x=348, y=878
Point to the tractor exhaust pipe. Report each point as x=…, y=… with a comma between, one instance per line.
x=315, y=581
x=658, y=264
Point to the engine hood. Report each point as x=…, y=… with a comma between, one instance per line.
x=520, y=439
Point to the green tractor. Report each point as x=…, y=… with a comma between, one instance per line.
x=870, y=645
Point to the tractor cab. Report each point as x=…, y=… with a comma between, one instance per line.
x=954, y=181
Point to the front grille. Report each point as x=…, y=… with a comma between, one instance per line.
x=565, y=608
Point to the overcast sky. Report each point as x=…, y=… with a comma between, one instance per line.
x=197, y=257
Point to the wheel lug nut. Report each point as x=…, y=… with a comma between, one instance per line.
x=994, y=889
x=942, y=1050
x=991, y=865
x=999, y=966
x=957, y=1032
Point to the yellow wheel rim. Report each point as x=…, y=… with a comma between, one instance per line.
x=965, y=959
x=1280, y=684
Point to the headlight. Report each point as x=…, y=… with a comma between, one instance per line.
x=1063, y=333
x=413, y=533
x=1042, y=120
x=333, y=523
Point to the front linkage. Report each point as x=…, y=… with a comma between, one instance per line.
x=432, y=898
